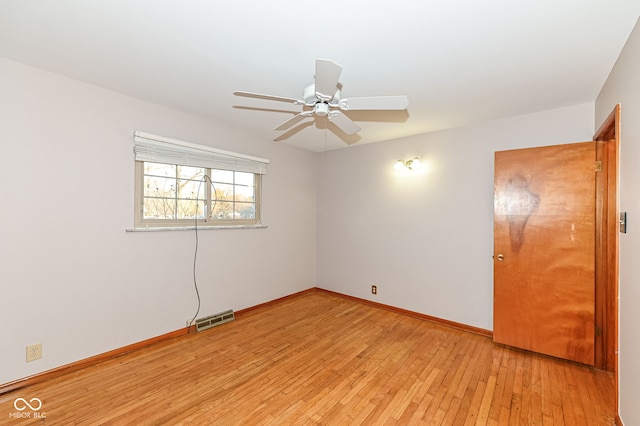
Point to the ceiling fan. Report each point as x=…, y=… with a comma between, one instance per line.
x=322, y=99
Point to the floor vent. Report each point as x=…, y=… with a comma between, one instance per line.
x=213, y=320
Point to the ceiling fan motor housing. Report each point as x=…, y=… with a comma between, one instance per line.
x=310, y=98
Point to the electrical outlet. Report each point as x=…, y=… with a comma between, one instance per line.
x=34, y=352
x=374, y=289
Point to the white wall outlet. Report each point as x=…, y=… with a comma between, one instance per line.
x=34, y=352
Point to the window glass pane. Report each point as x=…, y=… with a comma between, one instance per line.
x=159, y=208
x=245, y=193
x=224, y=176
x=245, y=211
x=243, y=178
x=187, y=209
x=186, y=172
x=158, y=169
x=189, y=189
x=222, y=210
x=222, y=192
x=159, y=187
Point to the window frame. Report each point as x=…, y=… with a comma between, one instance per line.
x=206, y=222
x=161, y=150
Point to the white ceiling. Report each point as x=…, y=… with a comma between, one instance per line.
x=458, y=61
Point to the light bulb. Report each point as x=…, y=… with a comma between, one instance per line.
x=399, y=166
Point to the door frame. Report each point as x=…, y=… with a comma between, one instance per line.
x=607, y=138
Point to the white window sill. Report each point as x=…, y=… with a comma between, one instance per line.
x=192, y=228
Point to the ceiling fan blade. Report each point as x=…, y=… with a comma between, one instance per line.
x=292, y=131
x=327, y=75
x=343, y=122
x=294, y=120
x=374, y=103
x=269, y=97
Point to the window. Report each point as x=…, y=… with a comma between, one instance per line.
x=178, y=182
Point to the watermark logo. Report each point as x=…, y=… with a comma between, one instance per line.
x=21, y=404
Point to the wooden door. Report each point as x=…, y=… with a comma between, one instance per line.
x=544, y=250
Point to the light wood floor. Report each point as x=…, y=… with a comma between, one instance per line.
x=321, y=359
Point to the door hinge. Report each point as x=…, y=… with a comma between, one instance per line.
x=598, y=166
x=598, y=330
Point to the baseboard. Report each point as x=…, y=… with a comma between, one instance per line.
x=68, y=368
x=453, y=324
x=65, y=369
x=274, y=301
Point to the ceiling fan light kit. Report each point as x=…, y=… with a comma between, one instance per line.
x=323, y=99
x=322, y=109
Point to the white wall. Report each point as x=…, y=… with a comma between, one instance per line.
x=623, y=87
x=426, y=240
x=71, y=277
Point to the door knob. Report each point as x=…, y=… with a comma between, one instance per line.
x=500, y=257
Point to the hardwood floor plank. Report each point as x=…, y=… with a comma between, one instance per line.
x=317, y=358
x=476, y=402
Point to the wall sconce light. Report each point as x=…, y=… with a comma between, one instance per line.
x=404, y=166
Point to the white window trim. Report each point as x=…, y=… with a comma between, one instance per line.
x=191, y=228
